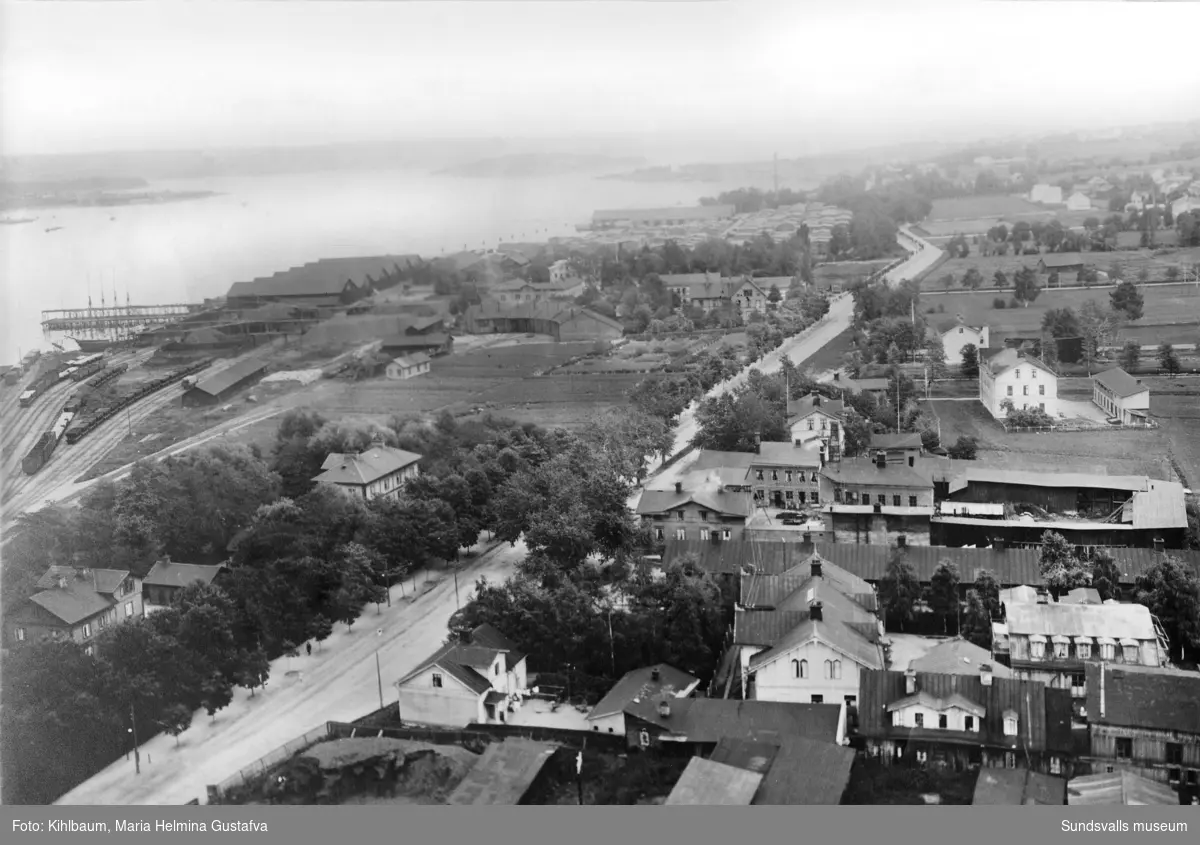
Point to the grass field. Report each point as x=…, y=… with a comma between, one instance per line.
x=1132, y=261
x=1172, y=312
x=844, y=271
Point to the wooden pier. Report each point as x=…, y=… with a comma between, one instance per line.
x=116, y=317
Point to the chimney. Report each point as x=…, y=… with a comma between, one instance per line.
x=814, y=611
x=1159, y=544
x=816, y=567
x=655, y=674
x=985, y=674
x=816, y=400
x=757, y=445
x=664, y=709
x=881, y=459
x=910, y=681
x=678, y=486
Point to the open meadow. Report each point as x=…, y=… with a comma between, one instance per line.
x=1131, y=261
x=1172, y=312
x=975, y=215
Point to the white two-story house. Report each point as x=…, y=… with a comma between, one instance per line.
x=379, y=471
x=817, y=418
x=1020, y=378
x=480, y=681
x=955, y=334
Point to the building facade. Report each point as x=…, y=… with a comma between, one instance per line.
x=1121, y=396
x=379, y=471
x=75, y=603
x=703, y=510
x=955, y=334
x=1019, y=378
x=784, y=475
x=869, y=500
x=816, y=418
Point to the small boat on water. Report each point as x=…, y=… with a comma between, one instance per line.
x=13, y=221
x=54, y=228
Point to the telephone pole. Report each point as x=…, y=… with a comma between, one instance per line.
x=137, y=755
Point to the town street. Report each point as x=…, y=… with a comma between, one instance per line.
x=337, y=683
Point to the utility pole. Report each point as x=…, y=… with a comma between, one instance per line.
x=137, y=755
x=379, y=678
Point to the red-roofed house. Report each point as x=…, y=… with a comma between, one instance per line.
x=379, y=471
x=75, y=603
x=1121, y=396
x=465, y=683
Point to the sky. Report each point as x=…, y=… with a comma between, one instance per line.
x=759, y=75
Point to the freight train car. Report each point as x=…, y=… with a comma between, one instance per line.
x=88, y=369
x=83, y=427
x=27, y=397
x=40, y=453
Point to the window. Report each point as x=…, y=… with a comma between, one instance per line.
x=882, y=499
x=774, y=475
x=1107, y=651
x=895, y=501
x=1060, y=650
x=496, y=669
x=837, y=670
x=1130, y=653
x=919, y=718
x=922, y=757
x=87, y=630
x=790, y=496
x=1078, y=686
x=1037, y=650
x=21, y=635
x=814, y=478
x=714, y=534
x=704, y=516
x=658, y=533
x=679, y=515
x=1041, y=390
x=1174, y=753
x=801, y=668
x=89, y=651
x=128, y=608
x=814, y=497
x=1033, y=374
x=943, y=721
x=818, y=699
x=1173, y=776
x=759, y=474
x=644, y=739
x=866, y=498
x=969, y=723
x=912, y=501
x=1018, y=372
x=1055, y=766
x=1193, y=775
x=897, y=719
x=437, y=680
x=851, y=700
x=1010, y=760
x=680, y=533
x=811, y=424
x=1083, y=650
x=1010, y=393
x=727, y=534
x=1025, y=390
x=1124, y=748
x=960, y=331
x=788, y=476
x=1010, y=725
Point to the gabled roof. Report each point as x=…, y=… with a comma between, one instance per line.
x=714, y=459
x=1008, y=359
x=1015, y=787
x=805, y=405
x=218, y=383
x=708, y=783
x=486, y=636
x=416, y=359
x=415, y=341
x=1027, y=478
x=326, y=277
x=1121, y=383
x=74, y=603
x=774, y=453
x=709, y=720
x=168, y=573
x=764, y=590
x=806, y=772
x=766, y=556
x=866, y=471
x=958, y=657
x=641, y=683
x=1120, y=787
x=460, y=662
x=365, y=467
x=1027, y=699
x=840, y=636
x=1009, y=566
x=722, y=502
x=1143, y=697
x=744, y=754
x=954, y=701
x=104, y=581
x=896, y=441
x=765, y=627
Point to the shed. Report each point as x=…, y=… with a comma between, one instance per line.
x=707, y=783
x=220, y=386
x=504, y=774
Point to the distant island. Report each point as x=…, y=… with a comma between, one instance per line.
x=534, y=165
x=93, y=191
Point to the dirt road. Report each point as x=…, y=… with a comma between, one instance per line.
x=338, y=682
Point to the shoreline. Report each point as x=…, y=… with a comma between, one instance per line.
x=102, y=200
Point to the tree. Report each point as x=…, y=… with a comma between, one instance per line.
x=1097, y=326
x=1106, y=576
x=1144, y=274
x=255, y=670
x=773, y=295
x=970, y=361
x=1168, y=359
x=964, y=449
x=976, y=622
x=894, y=355
x=1000, y=279
x=320, y=629
x=1061, y=570
x=1131, y=355
x=899, y=591
x=1173, y=272
x=289, y=651
x=175, y=720
x=935, y=358
x=1026, y=288
x=857, y=431
x=973, y=279
x=1171, y=590
x=1127, y=300
x=1052, y=280
x=943, y=594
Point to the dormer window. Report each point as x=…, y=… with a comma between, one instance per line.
x=1107, y=651
x=1060, y=648
x=1083, y=648
x=968, y=723
x=1037, y=648
x=1130, y=653
x=897, y=719
x=1010, y=724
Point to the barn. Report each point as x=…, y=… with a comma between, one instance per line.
x=219, y=387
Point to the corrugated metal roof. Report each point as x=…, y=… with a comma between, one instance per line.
x=743, y=754
x=708, y=783
x=102, y=580
x=718, y=501
x=806, y=772
x=641, y=683
x=1027, y=478
x=958, y=657
x=1119, y=788
x=772, y=453
x=1135, y=562
x=866, y=471
x=709, y=720
x=1144, y=697
x=879, y=688
x=1080, y=620
x=1120, y=382
x=802, y=407
x=765, y=627
x=838, y=635
x=74, y=603
x=896, y=441
x=1009, y=566
x=771, y=557
x=784, y=591
x=503, y=774
x=322, y=278
x=167, y=573
x=1162, y=506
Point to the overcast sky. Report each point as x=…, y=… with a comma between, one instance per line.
x=100, y=76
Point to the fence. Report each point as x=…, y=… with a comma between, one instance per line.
x=477, y=735
x=284, y=752
x=1077, y=427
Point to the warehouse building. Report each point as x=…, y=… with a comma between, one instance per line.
x=221, y=386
